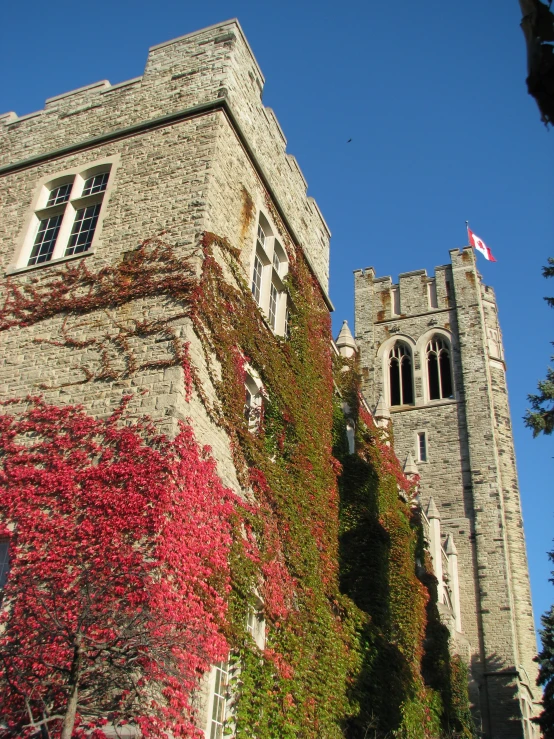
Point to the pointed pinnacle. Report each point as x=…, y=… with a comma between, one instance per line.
x=410, y=467
x=345, y=338
x=381, y=409
x=432, y=510
x=449, y=546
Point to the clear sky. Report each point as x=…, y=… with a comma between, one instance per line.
x=433, y=97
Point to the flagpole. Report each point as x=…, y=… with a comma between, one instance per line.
x=467, y=232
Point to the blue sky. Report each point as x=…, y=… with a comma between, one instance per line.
x=433, y=97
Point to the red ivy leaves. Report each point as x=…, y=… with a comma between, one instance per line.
x=119, y=545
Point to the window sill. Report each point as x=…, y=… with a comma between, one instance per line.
x=53, y=262
x=420, y=406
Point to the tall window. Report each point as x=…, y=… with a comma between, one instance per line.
x=421, y=446
x=439, y=371
x=400, y=375
x=255, y=625
x=66, y=218
x=269, y=268
x=219, y=703
x=257, y=279
x=4, y=562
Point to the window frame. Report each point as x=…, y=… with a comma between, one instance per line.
x=446, y=347
x=269, y=266
x=383, y=358
x=214, y=727
x=68, y=210
x=445, y=335
x=400, y=345
x=4, y=561
x=419, y=435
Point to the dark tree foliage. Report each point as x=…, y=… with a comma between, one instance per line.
x=545, y=659
x=541, y=416
x=538, y=28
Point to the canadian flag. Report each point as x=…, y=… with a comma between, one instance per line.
x=480, y=245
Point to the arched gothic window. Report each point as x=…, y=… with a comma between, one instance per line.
x=400, y=375
x=439, y=370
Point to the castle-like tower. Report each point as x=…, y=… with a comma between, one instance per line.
x=184, y=150
x=431, y=356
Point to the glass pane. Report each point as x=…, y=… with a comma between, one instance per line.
x=433, y=373
x=45, y=240
x=273, y=297
x=446, y=375
x=261, y=235
x=394, y=382
x=407, y=383
x=96, y=184
x=59, y=195
x=257, y=279
x=83, y=229
x=4, y=562
x=422, y=447
x=219, y=701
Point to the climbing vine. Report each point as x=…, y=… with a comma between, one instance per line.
x=332, y=577
x=405, y=687
x=119, y=551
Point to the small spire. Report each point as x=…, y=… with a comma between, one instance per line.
x=345, y=341
x=432, y=510
x=449, y=546
x=410, y=467
x=381, y=409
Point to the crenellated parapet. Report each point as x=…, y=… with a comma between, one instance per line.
x=202, y=74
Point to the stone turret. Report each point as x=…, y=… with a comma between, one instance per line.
x=345, y=342
x=431, y=353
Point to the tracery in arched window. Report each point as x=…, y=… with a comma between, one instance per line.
x=400, y=375
x=439, y=369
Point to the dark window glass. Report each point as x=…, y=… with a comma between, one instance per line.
x=395, y=398
x=83, y=230
x=407, y=383
x=433, y=371
x=422, y=443
x=257, y=279
x=4, y=562
x=45, y=240
x=273, y=298
x=439, y=369
x=96, y=184
x=59, y=195
x=446, y=375
x=400, y=374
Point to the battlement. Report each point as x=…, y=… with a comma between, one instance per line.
x=211, y=70
x=417, y=293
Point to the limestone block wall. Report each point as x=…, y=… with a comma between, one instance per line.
x=189, y=76
x=515, y=536
x=159, y=181
x=470, y=470
x=182, y=165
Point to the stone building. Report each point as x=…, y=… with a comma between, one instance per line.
x=186, y=149
x=432, y=361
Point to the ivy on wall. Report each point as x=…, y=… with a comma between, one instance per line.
x=334, y=575
x=408, y=686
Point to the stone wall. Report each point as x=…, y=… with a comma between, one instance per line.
x=192, y=149
x=183, y=78
x=177, y=168
x=470, y=470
